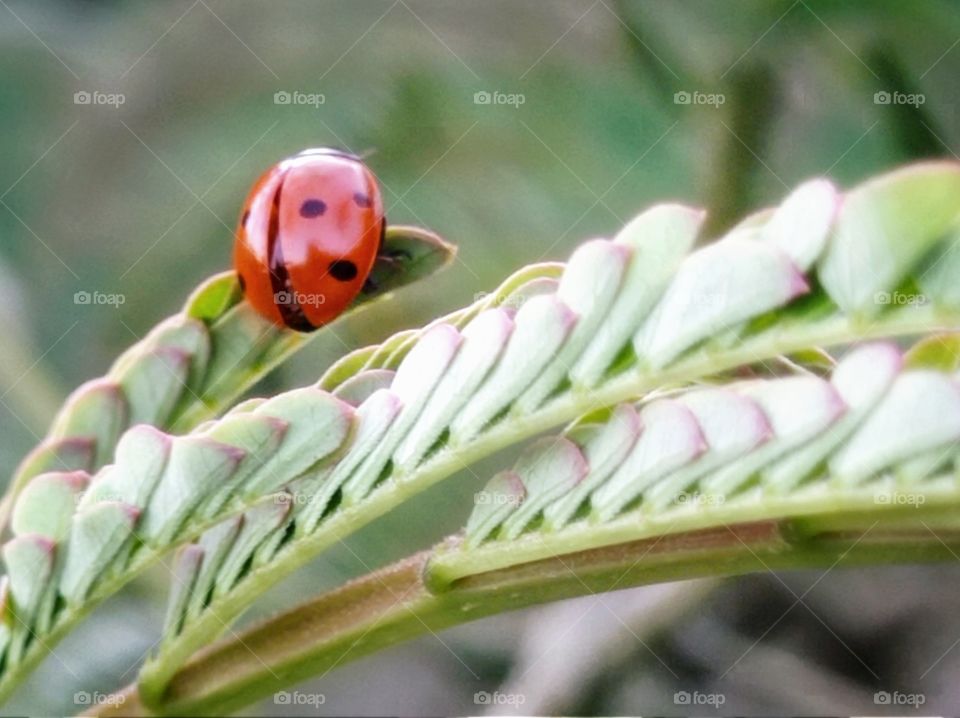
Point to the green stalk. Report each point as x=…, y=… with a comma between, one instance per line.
x=395, y=604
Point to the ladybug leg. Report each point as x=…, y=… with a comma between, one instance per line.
x=370, y=286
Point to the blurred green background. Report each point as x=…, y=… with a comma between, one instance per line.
x=139, y=199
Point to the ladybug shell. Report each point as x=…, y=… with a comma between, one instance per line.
x=308, y=237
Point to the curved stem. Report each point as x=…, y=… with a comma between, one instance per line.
x=395, y=604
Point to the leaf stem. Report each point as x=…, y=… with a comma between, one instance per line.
x=395, y=604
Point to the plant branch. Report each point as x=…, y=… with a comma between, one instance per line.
x=395, y=604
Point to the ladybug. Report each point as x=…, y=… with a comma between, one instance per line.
x=308, y=237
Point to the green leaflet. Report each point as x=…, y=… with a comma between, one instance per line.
x=749, y=296
x=671, y=438
x=258, y=436
x=197, y=466
x=258, y=523
x=939, y=278
x=605, y=447
x=860, y=381
x=904, y=444
x=731, y=425
x=885, y=227
x=800, y=226
x=97, y=411
x=939, y=351
x=588, y=288
x=484, y=338
x=357, y=389
x=658, y=240
x=717, y=287
x=412, y=384
x=143, y=451
x=902, y=426
x=375, y=416
x=550, y=469
x=154, y=384
x=185, y=570
x=502, y=494
x=213, y=545
x=47, y=505
x=97, y=535
x=540, y=328
x=29, y=561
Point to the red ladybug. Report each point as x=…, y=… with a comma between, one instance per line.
x=308, y=237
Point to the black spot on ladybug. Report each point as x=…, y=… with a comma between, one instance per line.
x=246, y=216
x=312, y=208
x=362, y=200
x=343, y=270
x=243, y=284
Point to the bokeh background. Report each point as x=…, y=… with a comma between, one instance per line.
x=138, y=198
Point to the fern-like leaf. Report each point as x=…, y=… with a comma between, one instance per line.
x=800, y=470
x=622, y=317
